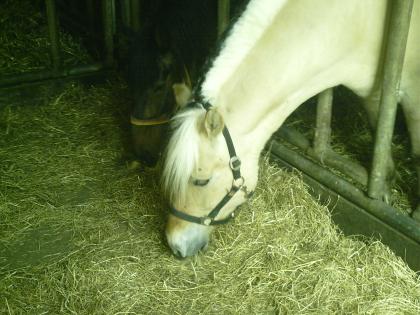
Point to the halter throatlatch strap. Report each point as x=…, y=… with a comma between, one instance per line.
x=234, y=162
x=237, y=185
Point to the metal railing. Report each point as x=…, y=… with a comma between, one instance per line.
x=397, y=230
x=399, y=25
x=57, y=70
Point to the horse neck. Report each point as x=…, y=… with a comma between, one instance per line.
x=295, y=58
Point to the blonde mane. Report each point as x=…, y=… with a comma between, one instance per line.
x=181, y=153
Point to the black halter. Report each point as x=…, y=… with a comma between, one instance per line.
x=237, y=184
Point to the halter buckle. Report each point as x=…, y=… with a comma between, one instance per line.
x=235, y=163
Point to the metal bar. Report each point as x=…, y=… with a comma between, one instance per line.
x=354, y=220
x=90, y=9
x=135, y=15
x=378, y=209
x=352, y=169
x=323, y=124
x=53, y=33
x=223, y=15
x=125, y=6
x=394, y=57
x=28, y=77
x=108, y=23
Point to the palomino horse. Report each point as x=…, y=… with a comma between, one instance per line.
x=276, y=56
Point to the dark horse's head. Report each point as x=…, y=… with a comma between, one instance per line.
x=149, y=121
x=166, y=55
x=153, y=107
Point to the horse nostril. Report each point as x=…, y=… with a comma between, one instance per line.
x=178, y=251
x=189, y=251
x=178, y=254
x=204, y=247
x=188, y=242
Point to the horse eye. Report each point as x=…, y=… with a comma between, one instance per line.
x=200, y=182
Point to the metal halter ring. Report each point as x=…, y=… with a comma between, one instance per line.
x=235, y=163
x=241, y=184
x=206, y=221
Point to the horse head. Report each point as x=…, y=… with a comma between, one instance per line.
x=203, y=177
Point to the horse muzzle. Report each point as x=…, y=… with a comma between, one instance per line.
x=186, y=239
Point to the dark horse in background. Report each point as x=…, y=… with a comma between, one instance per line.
x=162, y=54
x=165, y=56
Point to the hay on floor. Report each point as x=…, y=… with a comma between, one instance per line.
x=24, y=43
x=82, y=233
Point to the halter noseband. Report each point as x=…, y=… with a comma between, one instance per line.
x=237, y=184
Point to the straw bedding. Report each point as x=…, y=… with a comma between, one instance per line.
x=82, y=231
x=24, y=44
x=81, y=227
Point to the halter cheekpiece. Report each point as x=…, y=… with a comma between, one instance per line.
x=237, y=184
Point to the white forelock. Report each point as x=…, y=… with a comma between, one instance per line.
x=181, y=153
x=258, y=15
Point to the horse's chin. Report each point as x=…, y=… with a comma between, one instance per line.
x=186, y=239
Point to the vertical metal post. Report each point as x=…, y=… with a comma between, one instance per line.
x=125, y=6
x=323, y=123
x=135, y=15
x=91, y=10
x=53, y=33
x=399, y=24
x=223, y=15
x=109, y=23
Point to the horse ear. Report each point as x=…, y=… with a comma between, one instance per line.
x=182, y=94
x=213, y=123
